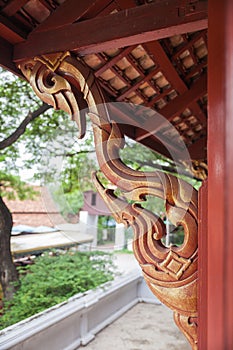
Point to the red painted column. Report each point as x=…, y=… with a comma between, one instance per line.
x=202, y=266
x=220, y=181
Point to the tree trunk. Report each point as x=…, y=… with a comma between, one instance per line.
x=8, y=273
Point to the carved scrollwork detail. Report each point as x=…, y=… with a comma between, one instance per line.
x=56, y=80
x=170, y=272
x=199, y=169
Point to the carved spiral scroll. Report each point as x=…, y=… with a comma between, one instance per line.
x=170, y=272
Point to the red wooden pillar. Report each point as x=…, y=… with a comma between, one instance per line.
x=220, y=181
x=202, y=266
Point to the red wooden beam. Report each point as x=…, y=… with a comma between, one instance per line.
x=114, y=60
x=128, y=27
x=155, y=49
x=171, y=74
x=197, y=69
x=13, y=6
x=188, y=43
x=137, y=84
x=115, y=70
x=10, y=32
x=125, y=115
x=67, y=13
x=198, y=150
x=6, y=51
x=177, y=106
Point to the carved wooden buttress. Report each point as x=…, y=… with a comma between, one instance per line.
x=170, y=272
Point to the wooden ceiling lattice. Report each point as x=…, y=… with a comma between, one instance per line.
x=135, y=75
x=166, y=75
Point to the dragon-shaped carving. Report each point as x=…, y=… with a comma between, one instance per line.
x=170, y=272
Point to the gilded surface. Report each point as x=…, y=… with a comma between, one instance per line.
x=170, y=272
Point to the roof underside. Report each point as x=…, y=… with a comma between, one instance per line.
x=150, y=53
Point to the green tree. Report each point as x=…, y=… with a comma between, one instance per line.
x=31, y=134
x=75, y=177
x=25, y=123
x=16, y=104
x=141, y=158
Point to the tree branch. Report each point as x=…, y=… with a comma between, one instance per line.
x=79, y=152
x=22, y=127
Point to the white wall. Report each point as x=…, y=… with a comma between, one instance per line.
x=67, y=325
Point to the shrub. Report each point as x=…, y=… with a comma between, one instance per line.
x=53, y=279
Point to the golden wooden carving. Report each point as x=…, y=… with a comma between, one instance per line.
x=170, y=272
x=200, y=169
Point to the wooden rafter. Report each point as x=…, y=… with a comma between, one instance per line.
x=131, y=126
x=68, y=12
x=10, y=32
x=114, y=60
x=138, y=83
x=156, y=50
x=127, y=27
x=13, y=6
x=152, y=73
x=6, y=51
x=198, y=149
x=167, y=67
x=176, y=106
x=187, y=44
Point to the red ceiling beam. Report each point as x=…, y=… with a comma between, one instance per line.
x=176, y=106
x=198, y=150
x=156, y=50
x=114, y=60
x=172, y=76
x=67, y=13
x=12, y=7
x=10, y=32
x=128, y=27
x=137, y=84
x=188, y=44
x=6, y=51
x=124, y=115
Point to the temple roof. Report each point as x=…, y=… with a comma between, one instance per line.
x=144, y=52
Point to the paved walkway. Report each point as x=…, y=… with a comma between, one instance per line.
x=144, y=327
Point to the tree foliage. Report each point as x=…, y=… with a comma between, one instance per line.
x=27, y=126
x=32, y=136
x=18, y=105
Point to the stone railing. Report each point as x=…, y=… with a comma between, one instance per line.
x=68, y=325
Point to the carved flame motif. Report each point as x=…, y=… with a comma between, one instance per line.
x=170, y=272
x=52, y=88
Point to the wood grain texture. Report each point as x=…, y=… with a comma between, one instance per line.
x=170, y=272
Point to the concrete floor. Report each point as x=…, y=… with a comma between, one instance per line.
x=144, y=327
